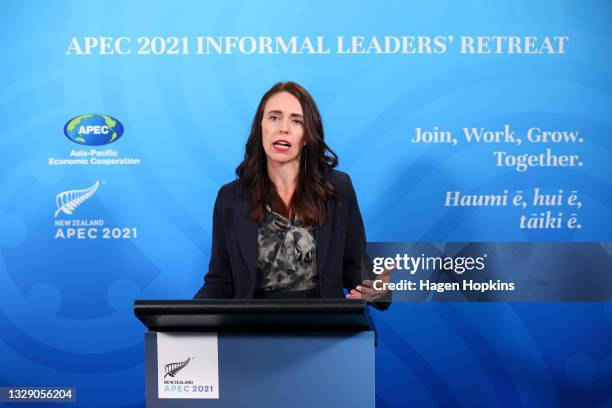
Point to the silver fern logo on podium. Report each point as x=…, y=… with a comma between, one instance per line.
x=172, y=369
x=68, y=201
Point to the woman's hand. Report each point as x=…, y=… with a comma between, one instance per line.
x=366, y=291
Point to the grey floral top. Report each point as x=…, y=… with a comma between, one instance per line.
x=286, y=255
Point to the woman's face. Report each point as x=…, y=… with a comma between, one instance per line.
x=282, y=128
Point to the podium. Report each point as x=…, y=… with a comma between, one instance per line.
x=258, y=353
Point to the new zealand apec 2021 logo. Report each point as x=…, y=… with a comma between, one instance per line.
x=89, y=130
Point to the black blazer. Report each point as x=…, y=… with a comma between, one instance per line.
x=340, y=245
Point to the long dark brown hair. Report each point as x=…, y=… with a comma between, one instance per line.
x=313, y=191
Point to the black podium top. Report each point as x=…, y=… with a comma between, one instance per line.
x=236, y=315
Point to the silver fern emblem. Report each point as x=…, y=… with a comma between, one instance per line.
x=173, y=368
x=68, y=201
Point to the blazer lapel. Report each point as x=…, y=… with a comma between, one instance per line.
x=246, y=230
x=323, y=243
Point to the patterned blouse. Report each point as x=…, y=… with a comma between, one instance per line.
x=286, y=259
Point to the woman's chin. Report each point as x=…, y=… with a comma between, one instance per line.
x=281, y=159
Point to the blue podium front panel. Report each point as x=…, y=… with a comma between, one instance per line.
x=281, y=370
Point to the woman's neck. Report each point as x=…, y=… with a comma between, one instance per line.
x=284, y=177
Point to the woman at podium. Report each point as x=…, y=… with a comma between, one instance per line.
x=289, y=226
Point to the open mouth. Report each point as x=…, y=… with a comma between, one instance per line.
x=282, y=145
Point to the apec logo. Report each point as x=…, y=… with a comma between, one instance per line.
x=93, y=129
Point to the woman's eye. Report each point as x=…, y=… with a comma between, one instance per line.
x=273, y=117
x=297, y=121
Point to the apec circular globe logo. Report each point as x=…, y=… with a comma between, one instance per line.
x=93, y=129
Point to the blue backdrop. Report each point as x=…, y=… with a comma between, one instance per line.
x=66, y=304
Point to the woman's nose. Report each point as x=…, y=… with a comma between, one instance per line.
x=284, y=127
